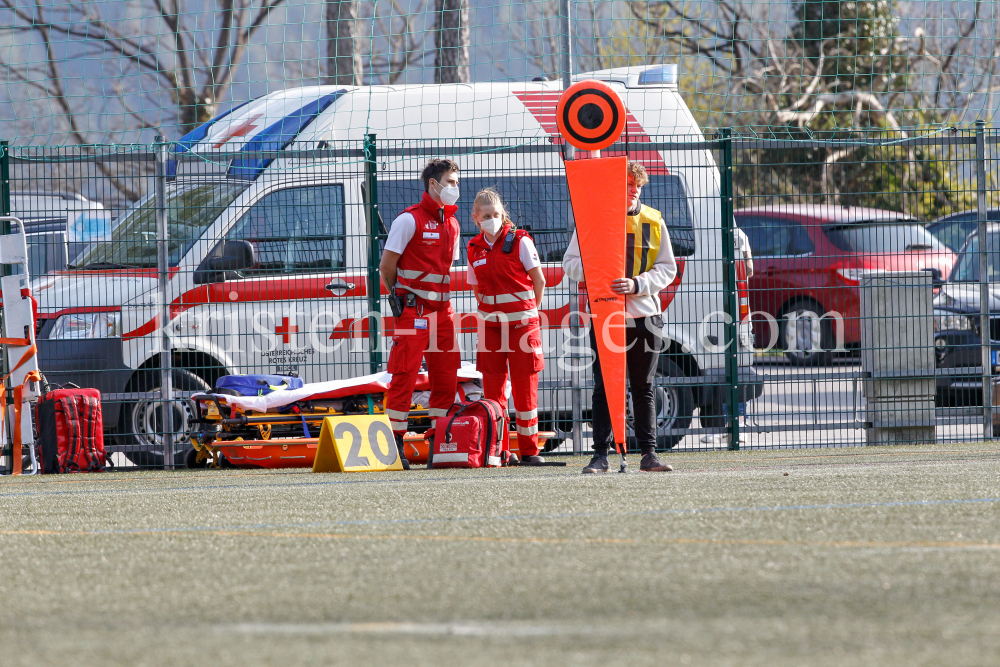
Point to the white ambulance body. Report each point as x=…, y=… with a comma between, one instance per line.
x=300, y=308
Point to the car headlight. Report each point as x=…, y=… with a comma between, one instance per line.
x=76, y=326
x=945, y=320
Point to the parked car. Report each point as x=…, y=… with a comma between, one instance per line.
x=808, y=263
x=271, y=254
x=957, y=341
x=952, y=230
x=46, y=216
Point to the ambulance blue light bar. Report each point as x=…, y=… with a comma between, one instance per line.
x=185, y=143
x=277, y=137
x=658, y=76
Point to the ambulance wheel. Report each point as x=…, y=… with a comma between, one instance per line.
x=674, y=405
x=139, y=426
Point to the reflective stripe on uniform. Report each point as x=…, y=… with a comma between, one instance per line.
x=424, y=294
x=515, y=297
x=397, y=426
x=407, y=274
x=527, y=430
x=397, y=415
x=437, y=412
x=509, y=317
x=507, y=298
x=532, y=414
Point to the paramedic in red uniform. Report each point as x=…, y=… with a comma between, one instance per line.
x=420, y=249
x=507, y=279
x=649, y=268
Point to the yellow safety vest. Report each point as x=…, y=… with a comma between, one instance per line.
x=642, y=243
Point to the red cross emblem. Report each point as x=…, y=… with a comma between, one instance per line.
x=285, y=330
x=241, y=130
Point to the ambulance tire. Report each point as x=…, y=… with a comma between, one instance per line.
x=674, y=405
x=138, y=421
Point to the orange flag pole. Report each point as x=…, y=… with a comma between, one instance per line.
x=591, y=116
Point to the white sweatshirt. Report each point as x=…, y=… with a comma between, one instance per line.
x=646, y=301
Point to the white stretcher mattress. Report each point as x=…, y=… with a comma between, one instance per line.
x=279, y=399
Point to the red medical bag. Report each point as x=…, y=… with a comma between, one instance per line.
x=471, y=435
x=71, y=431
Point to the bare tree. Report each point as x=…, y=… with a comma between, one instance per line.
x=389, y=42
x=195, y=67
x=535, y=29
x=451, y=41
x=174, y=57
x=398, y=43
x=343, y=55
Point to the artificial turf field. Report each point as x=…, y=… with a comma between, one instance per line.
x=868, y=556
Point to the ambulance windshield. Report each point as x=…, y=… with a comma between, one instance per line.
x=191, y=209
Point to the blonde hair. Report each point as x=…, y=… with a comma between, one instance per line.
x=489, y=196
x=638, y=173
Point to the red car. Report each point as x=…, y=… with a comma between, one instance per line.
x=808, y=260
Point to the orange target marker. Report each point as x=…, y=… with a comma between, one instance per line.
x=590, y=115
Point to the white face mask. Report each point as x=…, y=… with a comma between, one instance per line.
x=491, y=225
x=448, y=195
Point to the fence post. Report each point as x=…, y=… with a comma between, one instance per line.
x=163, y=270
x=984, y=281
x=575, y=328
x=5, y=270
x=374, y=284
x=730, y=301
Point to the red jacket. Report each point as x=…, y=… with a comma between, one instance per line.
x=424, y=268
x=506, y=292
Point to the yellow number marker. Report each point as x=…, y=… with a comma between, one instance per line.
x=362, y=443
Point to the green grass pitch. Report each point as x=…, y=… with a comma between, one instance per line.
x=867, y=556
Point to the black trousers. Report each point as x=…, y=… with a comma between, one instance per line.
x=644, y=342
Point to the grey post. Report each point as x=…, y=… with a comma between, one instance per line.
x=984, y=281
x=566, y=64
x=565, y=44
x=163, y=270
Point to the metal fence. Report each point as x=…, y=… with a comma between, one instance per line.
x=865, y=326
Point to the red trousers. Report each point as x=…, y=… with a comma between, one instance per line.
x=429, y=336
x=519, y=347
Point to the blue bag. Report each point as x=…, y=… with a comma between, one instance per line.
x=257, y=385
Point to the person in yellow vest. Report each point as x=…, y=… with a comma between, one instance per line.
x=649, y=268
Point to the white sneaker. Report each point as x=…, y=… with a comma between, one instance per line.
x=714, y=438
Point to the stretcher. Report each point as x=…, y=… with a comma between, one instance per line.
x=281, y=429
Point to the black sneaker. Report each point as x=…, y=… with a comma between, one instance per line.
x=597, y=464
x=402, y=453
x=532, y=460
x=652, y=463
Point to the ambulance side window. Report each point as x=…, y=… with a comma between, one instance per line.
x=296, y=230
x=668, y=194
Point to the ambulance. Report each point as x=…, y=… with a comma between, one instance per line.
x=269, y=244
